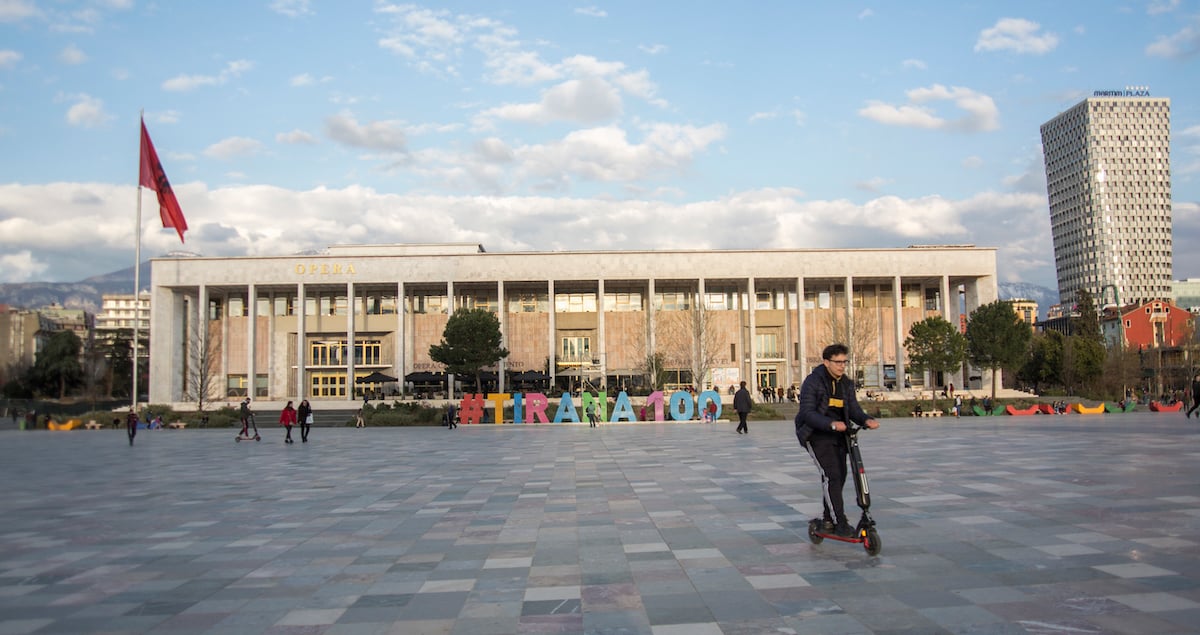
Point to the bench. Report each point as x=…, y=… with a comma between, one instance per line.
x=927, y=413
x=92, y=425
x=177, y=425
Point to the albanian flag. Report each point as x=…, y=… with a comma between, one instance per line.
x=153, y=177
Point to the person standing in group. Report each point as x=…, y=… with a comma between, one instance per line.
x=1195, y=396
x=131, y=421
x=742, y=404
x=958, y=405
x=304, y=415
x=828, y=406
x=591, y=414
x=287, y=418
x=359, y=422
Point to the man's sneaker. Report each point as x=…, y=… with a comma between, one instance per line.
x=827, y=526
x=844, y=530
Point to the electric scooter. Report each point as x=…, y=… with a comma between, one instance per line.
x=247, y=437
x=864, y=533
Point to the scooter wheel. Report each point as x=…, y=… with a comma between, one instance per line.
x=238, y=439
x=872, y=543
x=813, y=535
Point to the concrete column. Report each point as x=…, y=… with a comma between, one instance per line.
x=251, y=341
x=351, y=309
x=551, y=334
x=855, y=355
x=950, y=314
x=400, y=362
x=751, y=345
x=801, y=328
x=700, y=344
x=502, y=315
x=898, y=319
x=202, y=336
x=301, y=309
x=600, y=339
x=450, y=296
x=650, y=330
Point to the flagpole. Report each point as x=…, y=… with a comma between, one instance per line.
x=137, y=267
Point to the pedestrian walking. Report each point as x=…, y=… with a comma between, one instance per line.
x=131, y=423
x=287, y=418
x=742, y=404
x=359, y=422
x=304, y=414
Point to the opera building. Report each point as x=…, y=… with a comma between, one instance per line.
x=312, y=326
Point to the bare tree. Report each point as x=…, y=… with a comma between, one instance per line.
x=690, y=339
x=860, y=333
x=202, y=365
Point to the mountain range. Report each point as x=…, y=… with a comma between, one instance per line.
x=86, y=294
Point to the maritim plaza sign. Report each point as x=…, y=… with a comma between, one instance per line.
x=1130, y=91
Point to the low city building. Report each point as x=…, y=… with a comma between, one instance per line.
x=311, y=326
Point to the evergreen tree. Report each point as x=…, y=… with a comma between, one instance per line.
x=934, y=345
x=997, y=338
x=470, y=343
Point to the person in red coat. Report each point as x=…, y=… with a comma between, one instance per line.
x=287, y=419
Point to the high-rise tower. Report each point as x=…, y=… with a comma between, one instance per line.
x=1108, y=178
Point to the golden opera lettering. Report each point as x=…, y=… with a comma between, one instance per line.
x=325, y=269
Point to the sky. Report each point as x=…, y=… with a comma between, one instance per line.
x=292, y=125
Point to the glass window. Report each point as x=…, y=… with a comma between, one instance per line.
x=576, y=349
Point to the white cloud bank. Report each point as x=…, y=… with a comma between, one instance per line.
x=979, y=111
x=91, y=229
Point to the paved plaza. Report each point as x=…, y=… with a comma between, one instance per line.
x=1071, y=524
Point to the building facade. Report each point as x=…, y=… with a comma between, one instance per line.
x=119, y=310
x=1108, y=180
x=310, y=326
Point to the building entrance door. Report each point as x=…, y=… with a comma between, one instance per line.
x=767, y=376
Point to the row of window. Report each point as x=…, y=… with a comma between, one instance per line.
x=337, y=305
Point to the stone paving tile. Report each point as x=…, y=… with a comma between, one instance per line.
x=1005, y=525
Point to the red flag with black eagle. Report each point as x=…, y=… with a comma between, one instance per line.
x=153, y=177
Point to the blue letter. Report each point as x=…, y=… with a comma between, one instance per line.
x=682, y=408
x=623, y=409
x=566, y=410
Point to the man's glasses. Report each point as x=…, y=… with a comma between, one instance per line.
x=840, y=362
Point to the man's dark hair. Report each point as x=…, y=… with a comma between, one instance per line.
x=834, y=349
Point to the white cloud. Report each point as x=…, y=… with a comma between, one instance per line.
x=873, y=184
x=72, y=55
x=914, y=63
x=87, y=112
x=972, y=162
x=296, y=137
x=865, y=13
x=1018, y=35
x=21, y=267
x=291, y=8
x=9, y=58
x=800, y=117
x=233, y=147
x=593, y=12
x=979, y=110
x=377, y=135
x=587, y=100
x=652, y=49
x=183, y=83
x=1181, y=44
x=304, y=79
x=1157, y=7
x=166, y=116
x=763, y=116
x=90, y=230
x=16, y=10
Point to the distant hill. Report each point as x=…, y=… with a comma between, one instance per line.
x=85, y=294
